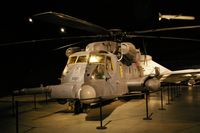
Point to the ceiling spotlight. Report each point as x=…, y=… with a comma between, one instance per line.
x=62, y=30
x=30, y=20
x=180, y=17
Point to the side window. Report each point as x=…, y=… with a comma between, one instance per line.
x=72, y=60
x=129, y=69
x=99, y=72
x=121, y=71
x=109, y=64
x=82, y=59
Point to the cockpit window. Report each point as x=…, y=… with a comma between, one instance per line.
x=100, y=72
x=109, y=64
x=96, y=59
x=82, y=59
x=72, y=60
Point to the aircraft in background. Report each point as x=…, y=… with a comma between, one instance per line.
x=105, y=69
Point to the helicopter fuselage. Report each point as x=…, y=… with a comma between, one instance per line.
x=104, y=70
x=100, y=72
x=90, y=75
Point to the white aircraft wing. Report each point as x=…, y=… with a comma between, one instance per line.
x=181, y=75
x=167, y=75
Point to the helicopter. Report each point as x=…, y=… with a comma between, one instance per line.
x=105, y=69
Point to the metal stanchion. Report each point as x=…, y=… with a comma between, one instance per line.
x=174, y=91
x=13, y=104
x=16, y=117
x=177, y=87
x=34, y=101
x=171, y=90
x=46, y=97
x=180, y=90
x=101, y=118
x=161, y=99
x=148, y=117
x=168, y=101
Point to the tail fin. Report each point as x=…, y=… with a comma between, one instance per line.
x=152, y=68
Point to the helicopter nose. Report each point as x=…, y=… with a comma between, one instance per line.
x=87, y=92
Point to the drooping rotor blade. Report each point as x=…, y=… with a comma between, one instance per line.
x=79, y=42
x=68, y=45
x=167, y=29
x=163, y=37
x=145, y=51
x=53, y=39
x=66, y=20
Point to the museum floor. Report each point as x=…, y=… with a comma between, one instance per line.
x=181, y=116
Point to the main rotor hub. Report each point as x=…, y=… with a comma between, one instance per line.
x=117, y=34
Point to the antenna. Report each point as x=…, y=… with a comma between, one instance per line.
x=145, y=52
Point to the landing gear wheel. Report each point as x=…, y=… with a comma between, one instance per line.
x=70, y=106
x=142, y=94
x=77, y=107
x=85, y=108
x=62, y=101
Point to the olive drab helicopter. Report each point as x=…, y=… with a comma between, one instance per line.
x=104, y=69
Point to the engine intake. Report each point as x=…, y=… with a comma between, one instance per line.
x=153, y=84
x=72, y=50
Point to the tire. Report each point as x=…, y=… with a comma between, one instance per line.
x=62, y=101
x=78, y=107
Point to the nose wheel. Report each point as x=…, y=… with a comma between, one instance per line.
x=78, y=107
x=75, y=106
x=70, y=106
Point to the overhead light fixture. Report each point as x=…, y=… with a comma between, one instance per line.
x=180, y=17
x=30, y=20
x=62, y=30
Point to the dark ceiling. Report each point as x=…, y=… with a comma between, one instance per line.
x=127, y=15
x=36, y=63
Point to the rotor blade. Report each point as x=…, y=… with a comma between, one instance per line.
x=144, y=47
x=75, y=43
x=66, y=20
x=167, y=29
x=53, y=39
x=145, y=51
x=163, y=37
x=68, y=45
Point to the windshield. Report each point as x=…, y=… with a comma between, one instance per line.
x=72, y=60
x=79, y=59
x=96, y=59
